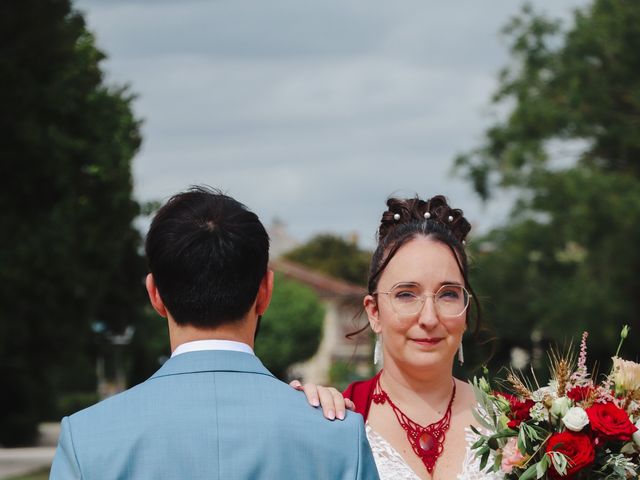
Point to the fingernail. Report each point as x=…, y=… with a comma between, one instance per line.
x=341, y=415
x=315, y=402
x=331, y=414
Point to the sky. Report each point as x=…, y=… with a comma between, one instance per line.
x=310, y=112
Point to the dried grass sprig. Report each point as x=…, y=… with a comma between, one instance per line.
x=518, y=385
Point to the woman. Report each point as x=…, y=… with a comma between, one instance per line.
x=417, y=414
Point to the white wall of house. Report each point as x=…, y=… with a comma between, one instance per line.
x=333, y=346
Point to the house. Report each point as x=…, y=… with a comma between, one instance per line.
x=343, y=306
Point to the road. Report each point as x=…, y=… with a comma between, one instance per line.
x=19, y=461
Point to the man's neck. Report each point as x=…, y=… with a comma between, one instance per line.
x=241, y=331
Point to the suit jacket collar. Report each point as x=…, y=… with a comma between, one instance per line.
x=212, y=361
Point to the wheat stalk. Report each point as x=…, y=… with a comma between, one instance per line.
x=561, y=370
x=518, y=385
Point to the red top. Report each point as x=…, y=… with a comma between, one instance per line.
x=361, y=393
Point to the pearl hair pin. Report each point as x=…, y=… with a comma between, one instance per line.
x=450, y=218
x=427, y=215
x=396, y=216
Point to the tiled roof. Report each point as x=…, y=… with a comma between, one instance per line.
x=323, y=284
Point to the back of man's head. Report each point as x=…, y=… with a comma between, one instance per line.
x=208, y=254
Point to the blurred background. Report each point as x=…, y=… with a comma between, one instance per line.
x=526, y=116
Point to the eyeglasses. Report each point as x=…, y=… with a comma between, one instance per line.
x=408, y=299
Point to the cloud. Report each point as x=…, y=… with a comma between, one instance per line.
x=310, y=112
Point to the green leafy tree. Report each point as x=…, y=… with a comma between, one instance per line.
x=291, y=329
x=572, y=272
x=334, y=256
x=565, y=88
x=68, y=252
x=567, y=260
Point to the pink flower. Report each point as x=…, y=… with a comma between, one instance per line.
x=511, y=456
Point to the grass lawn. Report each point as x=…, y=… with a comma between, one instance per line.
x=42, y=475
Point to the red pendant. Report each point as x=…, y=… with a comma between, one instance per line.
x=426, y=442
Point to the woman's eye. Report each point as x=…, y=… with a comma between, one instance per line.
x=406, y=296
x=449, y=294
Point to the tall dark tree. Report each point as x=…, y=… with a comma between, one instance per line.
x=68, y=252
x=568, y=258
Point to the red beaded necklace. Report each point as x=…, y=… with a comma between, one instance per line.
x=427, y=442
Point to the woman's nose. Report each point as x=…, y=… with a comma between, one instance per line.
x=428, y=316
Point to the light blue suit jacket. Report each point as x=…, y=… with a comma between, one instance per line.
x=211, y=415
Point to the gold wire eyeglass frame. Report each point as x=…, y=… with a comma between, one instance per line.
x=422, y=299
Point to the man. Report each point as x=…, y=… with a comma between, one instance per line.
x=212, y=411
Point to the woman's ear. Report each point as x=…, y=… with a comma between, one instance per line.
x=371, y=307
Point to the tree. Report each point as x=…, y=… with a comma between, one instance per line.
x=334, y=256
x=291, y=329
x=568, y=258
x=68, y=252
x=565, y=89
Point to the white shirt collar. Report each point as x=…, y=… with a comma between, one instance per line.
x=199, y=345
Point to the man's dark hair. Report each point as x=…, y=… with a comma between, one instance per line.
x=208, y=254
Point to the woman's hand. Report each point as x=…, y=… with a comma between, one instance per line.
x=331, y=400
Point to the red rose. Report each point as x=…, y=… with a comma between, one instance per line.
x=610, y=422
x=578, y=449
x=519, y=410
x=579, y=394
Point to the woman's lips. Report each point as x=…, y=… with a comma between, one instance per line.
x=427, y=341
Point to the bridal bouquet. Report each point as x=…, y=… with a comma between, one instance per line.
x=573, y=428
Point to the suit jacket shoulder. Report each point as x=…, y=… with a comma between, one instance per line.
x=211, y=415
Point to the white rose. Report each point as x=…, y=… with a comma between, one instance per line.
x=636, y=435
x=560, y=406
x=575, y=419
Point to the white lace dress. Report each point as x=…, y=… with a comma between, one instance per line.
x=391, y=465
